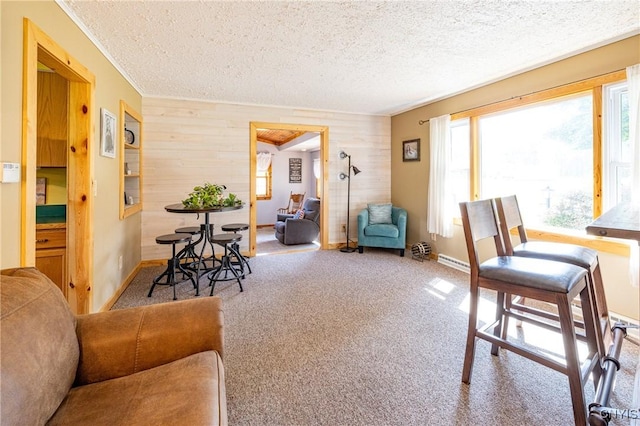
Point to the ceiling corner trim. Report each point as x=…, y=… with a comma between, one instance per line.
x=97, y=44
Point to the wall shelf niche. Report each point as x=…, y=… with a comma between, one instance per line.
x=130, y=161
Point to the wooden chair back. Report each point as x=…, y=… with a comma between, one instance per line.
x=295, y=203
x=510, y=218
x=479, y=222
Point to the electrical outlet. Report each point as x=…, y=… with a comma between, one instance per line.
x=344, y=227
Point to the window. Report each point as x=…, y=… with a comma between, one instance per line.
x=543, y=153
x=617, y=146
x=263, y=184
x=543, y=148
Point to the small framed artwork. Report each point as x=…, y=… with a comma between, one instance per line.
x=411, y=150
x=41, y=191
x=295, y=170
x=107, y=134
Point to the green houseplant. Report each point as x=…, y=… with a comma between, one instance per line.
x=210, y=195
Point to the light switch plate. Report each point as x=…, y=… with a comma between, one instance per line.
x=10, y=172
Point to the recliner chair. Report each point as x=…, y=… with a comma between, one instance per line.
x=290, y=230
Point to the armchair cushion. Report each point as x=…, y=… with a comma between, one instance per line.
x=299, y=214
x=382, y=230
x=379, y=213
x=182, y=387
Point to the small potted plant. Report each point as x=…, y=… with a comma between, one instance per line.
x=210, y=195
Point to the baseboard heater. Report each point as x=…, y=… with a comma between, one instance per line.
x=633, y=330
x=454, y=263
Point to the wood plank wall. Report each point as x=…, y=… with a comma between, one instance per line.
x=189, y=142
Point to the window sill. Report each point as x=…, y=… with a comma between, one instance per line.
x=606, y=245
x=601, y=244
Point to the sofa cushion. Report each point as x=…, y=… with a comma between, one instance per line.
x=379, y=213
x=39, y=347
x=382, y=230
x=186, y=391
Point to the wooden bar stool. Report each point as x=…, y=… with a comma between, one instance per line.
x=548, y=281
x=235, y=228
x=509, y=215
x=173, y=263
x=226, y=241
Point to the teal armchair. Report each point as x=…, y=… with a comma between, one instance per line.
x=385, y=235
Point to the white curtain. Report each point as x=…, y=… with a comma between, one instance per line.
x=264, y=161
x=316, y=168
x=440, y=208
x=633, y=82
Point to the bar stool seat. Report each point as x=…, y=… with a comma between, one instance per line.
x=172, y=263
x=544, y=280
x=193, y=230
x=235, y=228
x=227, y=241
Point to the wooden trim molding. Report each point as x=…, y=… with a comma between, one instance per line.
x=39, y=47
x=324, y=156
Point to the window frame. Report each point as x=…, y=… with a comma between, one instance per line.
x=612, y=159
x=595, y=85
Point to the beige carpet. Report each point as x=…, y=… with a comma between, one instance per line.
x=331, y=338
x=266, y=243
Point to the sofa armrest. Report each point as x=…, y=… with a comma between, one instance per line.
x=363, y=221
x=300, y=231
x=122, y=342
x=284, y=216
x=401, y=223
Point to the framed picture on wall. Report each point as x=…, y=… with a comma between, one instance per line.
x=295, y=170
x=41, y=191
x=107, y=134
x=411, y=150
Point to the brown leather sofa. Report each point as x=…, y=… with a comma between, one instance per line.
x=159, y=364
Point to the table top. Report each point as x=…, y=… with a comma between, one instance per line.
x=622, y=221
x=180, y=208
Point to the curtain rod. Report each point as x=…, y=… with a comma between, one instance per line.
x=421, y=122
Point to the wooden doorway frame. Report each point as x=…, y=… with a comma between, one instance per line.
x=39, y=47
x=324, y=155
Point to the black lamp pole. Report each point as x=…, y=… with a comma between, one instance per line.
x=348, y=248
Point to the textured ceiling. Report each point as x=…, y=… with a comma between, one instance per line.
x=374, y=57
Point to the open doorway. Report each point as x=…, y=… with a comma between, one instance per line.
x=314, y=140
x=40, y=48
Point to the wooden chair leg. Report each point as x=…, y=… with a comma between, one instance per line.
x=471, y=335
x=500, y=329
x=605, y=334
x=592, y=330
x=573, y=365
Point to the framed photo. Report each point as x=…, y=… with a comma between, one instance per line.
x=411, y=150
x=41, y=191
x=107, y=134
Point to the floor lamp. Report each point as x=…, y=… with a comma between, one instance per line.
x=343, y=155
